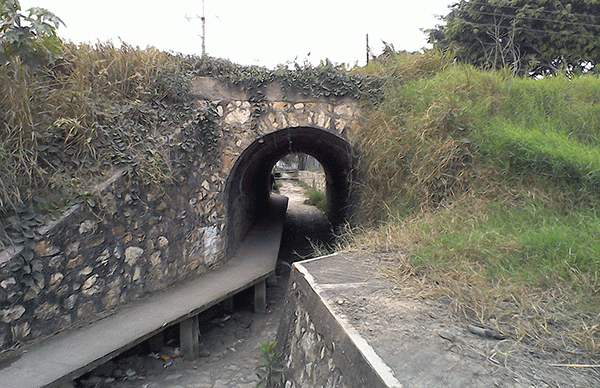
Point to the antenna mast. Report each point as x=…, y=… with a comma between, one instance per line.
x=203, y=31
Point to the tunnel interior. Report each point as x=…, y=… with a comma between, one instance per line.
x=248, y=185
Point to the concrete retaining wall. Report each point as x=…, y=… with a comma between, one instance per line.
x=319, y=348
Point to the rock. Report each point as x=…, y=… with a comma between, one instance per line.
x=20, y=332
x=87, y=226
x=69, y=302
x=132, y=254
x=46, y=311
x=485, y=333
x=155, y=258
x=94, y=242
x=204, y=353
x=12, y=314
x=238, y=116
x=163, y=242
x=45, y=249
x=8, y=282
x=90, y=287
x=118, y=373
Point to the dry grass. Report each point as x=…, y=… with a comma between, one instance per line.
x=66, y=124
x=511, y=245
x=545, y=318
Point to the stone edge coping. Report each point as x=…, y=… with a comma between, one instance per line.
x=373, y=360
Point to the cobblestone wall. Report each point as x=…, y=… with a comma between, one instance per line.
x=139, y=239
x=134, y=241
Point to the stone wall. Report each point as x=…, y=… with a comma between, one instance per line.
x=313, y=179
x=136, y=240
x=139, y=239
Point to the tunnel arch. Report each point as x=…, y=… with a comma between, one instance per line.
x=248, y=182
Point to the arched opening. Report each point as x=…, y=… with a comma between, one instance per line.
x=249, y=183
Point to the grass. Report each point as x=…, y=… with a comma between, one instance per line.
x=486, y=188
x=67, y=123
x=315, y=197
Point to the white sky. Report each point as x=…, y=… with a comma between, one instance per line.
x=252, y=32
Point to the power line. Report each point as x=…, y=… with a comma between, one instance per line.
x=515, y=17
x=531, y=29
x=540, y=10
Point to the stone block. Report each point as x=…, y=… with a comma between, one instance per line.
x=132, y=254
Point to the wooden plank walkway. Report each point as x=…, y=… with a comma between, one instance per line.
x=68, y=355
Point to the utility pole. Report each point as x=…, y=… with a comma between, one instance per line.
x=203, y=31
x=367, y=48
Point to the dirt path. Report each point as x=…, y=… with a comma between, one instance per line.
x=230, y=342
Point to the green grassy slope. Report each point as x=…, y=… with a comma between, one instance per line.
x=490, y=184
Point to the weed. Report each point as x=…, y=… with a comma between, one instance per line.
x=270, y=372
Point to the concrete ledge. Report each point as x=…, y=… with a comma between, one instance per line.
x=321, y=348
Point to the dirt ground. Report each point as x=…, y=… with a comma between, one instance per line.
x=427, y=345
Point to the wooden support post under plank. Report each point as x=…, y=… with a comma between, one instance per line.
x=228, y=305
x=188, y=337
x=260, y=297
x=156, y=342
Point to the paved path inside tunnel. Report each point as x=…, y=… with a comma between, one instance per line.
x=230, y=342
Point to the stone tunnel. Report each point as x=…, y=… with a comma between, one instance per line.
x=248, y=183
x=141, y=239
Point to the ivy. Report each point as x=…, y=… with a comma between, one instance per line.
x=20, y=229
x=325, y=80
x=202, y=133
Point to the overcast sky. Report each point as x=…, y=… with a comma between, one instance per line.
x=252, y=32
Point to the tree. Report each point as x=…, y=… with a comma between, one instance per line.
x=32, y=37
x=532, y=36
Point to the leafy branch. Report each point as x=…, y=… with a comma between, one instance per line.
x=31, y=38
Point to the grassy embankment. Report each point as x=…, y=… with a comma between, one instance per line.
x=486, y=187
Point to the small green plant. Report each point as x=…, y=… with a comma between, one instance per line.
x=316, y=198
x=271, y=371
x=277, y=186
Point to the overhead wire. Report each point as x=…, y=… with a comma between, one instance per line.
x=544, y=10
x=530, y=29
x=508, y=16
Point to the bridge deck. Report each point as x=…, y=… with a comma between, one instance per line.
x=70, y=354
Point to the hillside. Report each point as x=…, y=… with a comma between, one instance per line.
x=485, y=188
